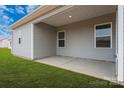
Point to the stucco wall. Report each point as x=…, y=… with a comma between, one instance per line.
x=80, y=39
x=23, y=49
x=44, y=40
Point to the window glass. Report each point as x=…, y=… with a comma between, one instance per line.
x=103, y=35
x=61, y=39
x=61, y=35
x=61, y=43
x=19, y=40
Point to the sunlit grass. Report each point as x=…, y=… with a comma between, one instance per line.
x=18, y=72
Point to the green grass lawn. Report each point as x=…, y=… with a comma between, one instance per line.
x=18, y=72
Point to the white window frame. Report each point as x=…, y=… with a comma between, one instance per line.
x=61, y=39
x=95, y=36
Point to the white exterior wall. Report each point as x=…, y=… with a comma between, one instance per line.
x=44, y=40
x=80, y=39
x=5, y=43
x=23, y=49
x=120, y=30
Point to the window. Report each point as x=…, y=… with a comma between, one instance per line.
x=103, y=35
x=19, y=36
x=61, y=39
x=19, y=40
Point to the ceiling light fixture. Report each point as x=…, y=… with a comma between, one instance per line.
x=70, y=16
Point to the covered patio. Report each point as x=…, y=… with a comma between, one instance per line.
x=77, y=50
x=99, y=69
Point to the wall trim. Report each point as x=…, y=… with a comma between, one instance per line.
x=32, y=41
x=120, y=76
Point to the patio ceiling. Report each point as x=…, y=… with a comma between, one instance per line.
x=77, y=13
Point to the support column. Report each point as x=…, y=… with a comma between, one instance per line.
x=120, y=43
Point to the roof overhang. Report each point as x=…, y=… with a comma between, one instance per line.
x=58, y=15
x=77, y=13
x=35, y=14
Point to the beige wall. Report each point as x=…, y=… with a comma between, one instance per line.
x=23, y=49
x=80, y=39
x=44, y=40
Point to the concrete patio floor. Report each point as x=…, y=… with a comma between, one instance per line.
x=99, y=69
